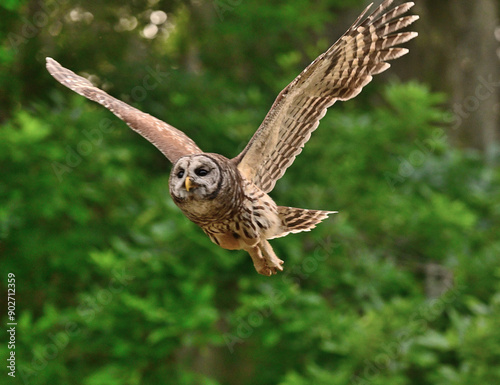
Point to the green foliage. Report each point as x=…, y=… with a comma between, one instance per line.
x=126, y=291
x=116, y=286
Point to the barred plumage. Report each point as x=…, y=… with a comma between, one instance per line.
x=228, y=198
x=296, y=220
x=338, y=74
x=172, y=142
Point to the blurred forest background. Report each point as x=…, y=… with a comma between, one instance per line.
x=116, y=287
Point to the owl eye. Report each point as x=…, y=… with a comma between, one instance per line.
x=180, y=174
x=201, y=172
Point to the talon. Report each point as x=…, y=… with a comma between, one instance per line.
x=264, y=270
x=265, y=260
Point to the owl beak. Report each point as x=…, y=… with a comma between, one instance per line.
x=189, y=184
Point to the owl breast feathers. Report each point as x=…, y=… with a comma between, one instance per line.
x=228, y=198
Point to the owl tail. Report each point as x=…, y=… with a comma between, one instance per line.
x=296, y=220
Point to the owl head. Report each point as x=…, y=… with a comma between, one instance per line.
x=195, y=177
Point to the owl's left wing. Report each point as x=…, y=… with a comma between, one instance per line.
x=169, y=140
x=338, y=74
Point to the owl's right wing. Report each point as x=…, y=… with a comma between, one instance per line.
x=338, y=74
x=169, y=140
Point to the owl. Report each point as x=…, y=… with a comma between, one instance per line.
x=228, y=198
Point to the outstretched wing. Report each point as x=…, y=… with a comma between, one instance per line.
x=338, y=74
x=169, y=140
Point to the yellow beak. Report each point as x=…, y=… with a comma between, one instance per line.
x=189, y=183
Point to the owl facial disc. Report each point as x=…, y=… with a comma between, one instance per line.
x=195, y=177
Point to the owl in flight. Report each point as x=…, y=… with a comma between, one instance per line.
x=228, y=198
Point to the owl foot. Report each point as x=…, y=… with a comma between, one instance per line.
x=264, y=259
x=272, y=261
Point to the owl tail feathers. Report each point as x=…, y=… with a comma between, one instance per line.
x=296, y=220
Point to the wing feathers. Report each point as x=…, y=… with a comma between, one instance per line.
x=396, y=25
x=338, y=74
x=396, y=12
x=382, y=7
x=169, y=140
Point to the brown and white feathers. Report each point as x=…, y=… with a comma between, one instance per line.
x=338, y=74
x=172, y=142
x=228, y=198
